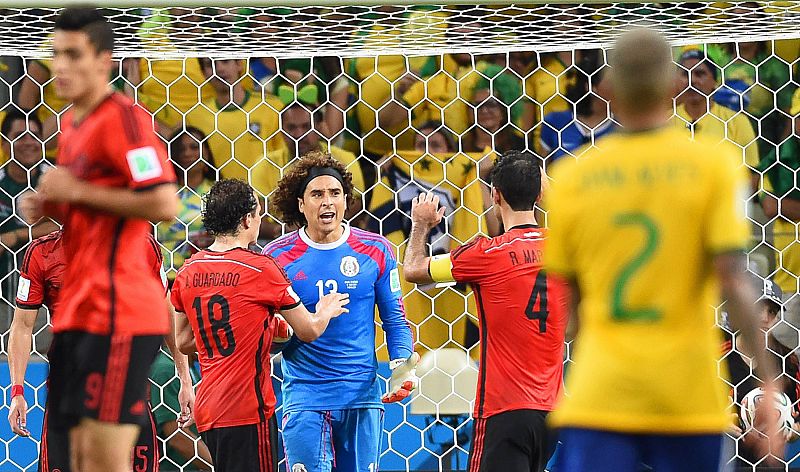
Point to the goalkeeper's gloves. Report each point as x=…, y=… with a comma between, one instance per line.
x=404, y=379
x=282, y=333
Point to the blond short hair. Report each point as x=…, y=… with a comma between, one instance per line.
x=642, y=72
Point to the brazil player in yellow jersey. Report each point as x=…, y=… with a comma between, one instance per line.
x=649, y=229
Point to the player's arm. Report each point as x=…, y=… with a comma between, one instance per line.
x=309, y=326
x=399, y=339
x=186, y=396
x=417, y=265
x=184, y=337
x=740, y=301
x=30, y=296
x=19, y=350
x=155, y=204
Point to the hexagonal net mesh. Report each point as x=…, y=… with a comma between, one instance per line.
x=411, y=99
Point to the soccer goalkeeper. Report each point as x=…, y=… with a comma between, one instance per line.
x=333, y=412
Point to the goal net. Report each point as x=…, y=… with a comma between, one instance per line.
x=411, y=98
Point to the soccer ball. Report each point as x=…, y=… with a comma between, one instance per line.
x=783, y=406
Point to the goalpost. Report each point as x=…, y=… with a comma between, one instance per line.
x=411, y=96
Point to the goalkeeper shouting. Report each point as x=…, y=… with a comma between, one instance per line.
x=333, y=411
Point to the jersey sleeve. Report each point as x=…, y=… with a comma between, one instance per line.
x=157, y=262
x=469, y=261
x=726, y=224
x=558, y=255
x=30, y=291
x=389, y=299
x=175, y=294
x=136, y=151
x=275, y=289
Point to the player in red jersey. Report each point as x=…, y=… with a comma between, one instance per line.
x=111, y=181
x=522, y=313
x=41, y=277
x=229, y=296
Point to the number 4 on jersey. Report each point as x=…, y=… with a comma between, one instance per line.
x=537, y=303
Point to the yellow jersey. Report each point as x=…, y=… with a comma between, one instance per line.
x=170, y=88
x=636, y=223
x=238, y=134
x=722, y=123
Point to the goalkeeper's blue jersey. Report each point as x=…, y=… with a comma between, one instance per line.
x=339, y=369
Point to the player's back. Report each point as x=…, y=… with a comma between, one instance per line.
x=108, y=285
x=637, y=223
x=229, y=298
x=522, y=315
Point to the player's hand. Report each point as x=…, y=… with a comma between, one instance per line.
x=186, y=402
x=425, y=210
x=18, y=416
x=792, y=434
x=733, y=430
x=282, y=332
x=31, y=207
x=768, y=440
x=404, y=380
x=333, y=304
x=60, y=185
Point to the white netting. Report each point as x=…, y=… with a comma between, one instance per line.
x=410, y=98
x=350, y=30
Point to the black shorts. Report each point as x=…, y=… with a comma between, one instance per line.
x=54, y=448
x=512, y=441
x=104, y=378
x=249, y=448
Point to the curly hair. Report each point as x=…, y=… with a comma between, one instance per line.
x=225, y=205
x=285, y=196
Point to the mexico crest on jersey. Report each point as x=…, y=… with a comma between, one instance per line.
x=349, y=266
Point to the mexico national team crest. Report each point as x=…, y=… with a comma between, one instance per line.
x=349, y=266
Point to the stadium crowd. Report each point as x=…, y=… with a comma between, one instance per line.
x=403, y=125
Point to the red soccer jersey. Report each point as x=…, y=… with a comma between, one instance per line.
x=230, y=298
x=523, y=318
x=108, y=285
x=42, y=272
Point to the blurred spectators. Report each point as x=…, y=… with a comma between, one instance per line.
x=237, y=121
x=21, y=139
x=298, y=137
x=757, y=81
x=167, y=88
x=564, y=132
x=699, y=79
x=317, y=80
x=190, y=156
x=781, y=201
x=433, y=166
x=497, y=102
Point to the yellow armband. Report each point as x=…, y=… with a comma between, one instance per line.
x=441, y=268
